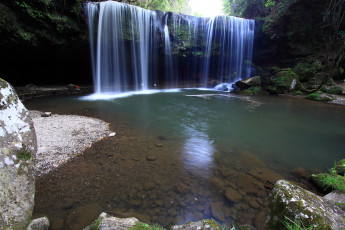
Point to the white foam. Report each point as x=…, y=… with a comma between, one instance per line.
x=110, y=96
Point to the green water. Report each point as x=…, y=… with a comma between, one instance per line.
x=294, y=131
x=204, y=144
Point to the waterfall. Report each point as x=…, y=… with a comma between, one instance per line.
x=136, y=49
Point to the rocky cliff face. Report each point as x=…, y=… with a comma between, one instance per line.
x=17, y=160
x=44, y=41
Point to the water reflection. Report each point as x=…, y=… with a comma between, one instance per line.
x=198, y=152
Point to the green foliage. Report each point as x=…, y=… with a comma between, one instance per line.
x=284, y=78
x=318, y=97
x=294, y=225
x=177, y=6
x=298, y=93
x=254, y=90
x=335, y=90
x=245, y=8
x=270, y=3
x=307, y=68
x=329, y=181
x=143, y=226
x=340, y=167
x=95, y=224
x=24, y=154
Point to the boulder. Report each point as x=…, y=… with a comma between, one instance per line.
x=108, y=222
x=247, y=83
x=336, y=196
x=17, y=160
x=39, y=224
x=202, y=224
x=285, y=80
x=291, y=202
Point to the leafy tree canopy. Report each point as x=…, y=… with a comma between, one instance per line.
x=248, y=8
x=177, y=6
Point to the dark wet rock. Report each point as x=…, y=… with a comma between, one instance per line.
x=266, y=176
x=232, y=195
x=254, y=204
x=217, y=211
x=17, y=160
x=79, y=218
x=151, y=158
x=135, y=202
x=172, y=212
x=202, y=224
x=158, y=202
x=291, y=201
x=135, y=158
x=162, y=138
x=218, y=183
x=228, y=172
x=260, y=220
x=168, y=202
x=182, y=188
x=39, y=224
x=247, y=83
x=299, y=172
x=249, y=161
x=149, y=186
x=250, y=185
x=57, y=224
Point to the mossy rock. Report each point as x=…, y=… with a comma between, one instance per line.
x=289, y=201
x=254, y=90
x=318, y=96
x=338, y=90
x=297, y=93
x=340, y=167
x=307, y=68
x=271, y=89
x=284, y=79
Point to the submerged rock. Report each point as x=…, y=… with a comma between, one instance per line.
x=17, y=160
x=290, y=202
x=39, y=224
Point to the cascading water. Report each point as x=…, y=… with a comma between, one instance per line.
x=136, y=49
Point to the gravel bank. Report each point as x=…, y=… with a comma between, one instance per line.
x=61, y=137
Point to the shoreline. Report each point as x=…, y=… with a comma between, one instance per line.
x=62, y=137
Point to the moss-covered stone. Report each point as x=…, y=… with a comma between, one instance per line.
x=254, y=90
x=334, y=90
x=340, y=167
x=307, y=68
x=284, y=79
x=17, y=170
x=312, y=211
x=317, y=96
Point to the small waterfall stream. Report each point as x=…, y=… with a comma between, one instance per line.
x=137, y=49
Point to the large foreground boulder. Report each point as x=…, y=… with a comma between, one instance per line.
x=291, y=203
x=17, y=157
